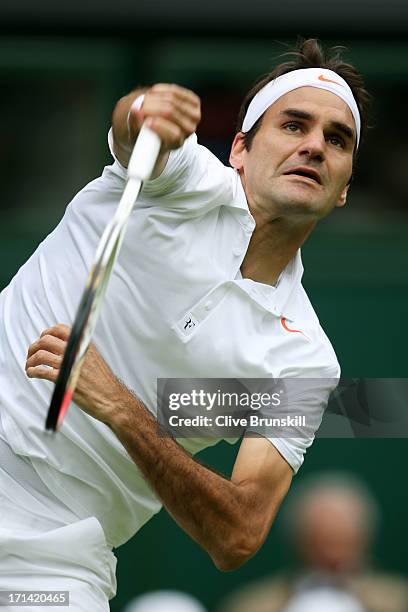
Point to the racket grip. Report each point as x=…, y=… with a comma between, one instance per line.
x=144, y=154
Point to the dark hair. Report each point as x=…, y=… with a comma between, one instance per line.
x=309, y=54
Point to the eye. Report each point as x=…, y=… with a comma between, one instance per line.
x=336, y=141
x=292, y=126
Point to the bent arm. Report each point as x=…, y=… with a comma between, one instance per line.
x=230, y=519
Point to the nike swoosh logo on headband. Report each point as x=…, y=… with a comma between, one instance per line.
x=321, y=77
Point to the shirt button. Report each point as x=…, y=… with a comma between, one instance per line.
x=208, y=305
x=237, y=251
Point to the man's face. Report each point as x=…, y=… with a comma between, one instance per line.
x=333, y=533
x=300, y=161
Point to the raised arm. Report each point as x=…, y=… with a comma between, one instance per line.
x=171, y=111
x=230, y=519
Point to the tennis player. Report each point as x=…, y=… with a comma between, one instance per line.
x=208, y=284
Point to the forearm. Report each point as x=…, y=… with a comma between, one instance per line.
x=211, y=509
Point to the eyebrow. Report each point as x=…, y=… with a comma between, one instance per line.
x=338, y=125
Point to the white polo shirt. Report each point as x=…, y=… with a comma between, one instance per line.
x=180, y=259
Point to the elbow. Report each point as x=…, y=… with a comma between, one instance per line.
x=236, y=553
x=238, y=539
x=230, y=563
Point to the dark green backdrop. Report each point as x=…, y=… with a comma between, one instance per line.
x=57, y=111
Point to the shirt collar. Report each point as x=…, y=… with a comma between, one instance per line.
x=280, y=300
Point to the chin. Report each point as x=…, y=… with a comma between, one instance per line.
x=304, y=206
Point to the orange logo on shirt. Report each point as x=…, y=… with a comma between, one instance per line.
x=321, y=77
x=285, y=326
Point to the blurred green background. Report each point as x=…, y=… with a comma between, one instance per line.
x=58, y=93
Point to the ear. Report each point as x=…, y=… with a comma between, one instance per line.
x=343, y=196
x=237, y=149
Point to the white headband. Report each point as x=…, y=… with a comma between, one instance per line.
x=305, y=77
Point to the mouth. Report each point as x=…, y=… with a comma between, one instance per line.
x=305, y=172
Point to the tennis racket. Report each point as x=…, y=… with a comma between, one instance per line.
x=141, y=164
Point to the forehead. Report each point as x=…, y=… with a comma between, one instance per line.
x=320, y=103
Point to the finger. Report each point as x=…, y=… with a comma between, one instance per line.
x=48, y=343
x=42, y=372
x=171, y=135
x=185, y=106
x=177, y=91
x=190, y=105
x=182, y=115
x=44, y=358
x=59, y=331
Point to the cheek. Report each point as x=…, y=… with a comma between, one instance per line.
x=342, y=176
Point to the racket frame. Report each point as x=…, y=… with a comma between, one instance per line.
x=141, y=164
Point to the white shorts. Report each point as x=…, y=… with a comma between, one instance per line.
x=45, y=547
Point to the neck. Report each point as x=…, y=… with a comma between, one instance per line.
x=273, y=244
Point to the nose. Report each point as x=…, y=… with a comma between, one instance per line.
x=313, y=145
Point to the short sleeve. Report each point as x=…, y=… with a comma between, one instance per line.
x=193, y=181
x=291, y=426
x=180, y=165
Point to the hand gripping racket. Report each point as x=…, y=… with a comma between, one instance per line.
x=141, y=164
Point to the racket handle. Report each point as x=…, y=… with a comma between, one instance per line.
x=144, y=154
